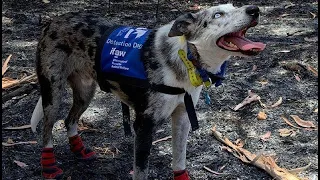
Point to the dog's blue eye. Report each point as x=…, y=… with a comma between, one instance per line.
x=217, y=15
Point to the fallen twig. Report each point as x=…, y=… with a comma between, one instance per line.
x=21, y=164
x=250, y=98
x=212, y=171
x=17, y=143
x=312, y=70
x=289, y=5
x=9, y=82
x=266, y=163
x=84, y=129
x=288, y=122
x=266, y=136
x=162, y=139
x=5, y=64
x=293, y=33
x=277, y=103
x=18, y=128
x=302, y=123
x=287, y=132
x=300, y=68
x=313, y=15
x=6, y=122
x=107, y=150
x=21, y=90
x=300, y=169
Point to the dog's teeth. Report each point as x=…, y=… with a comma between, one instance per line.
x=232, y=45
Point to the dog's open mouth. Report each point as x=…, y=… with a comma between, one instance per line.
x=236, y=41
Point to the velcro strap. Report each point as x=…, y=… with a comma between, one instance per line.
x=48, y=162
x=77, y=148
x=46, y=155
x=76, y=143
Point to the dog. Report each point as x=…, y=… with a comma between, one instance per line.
x=67, y=54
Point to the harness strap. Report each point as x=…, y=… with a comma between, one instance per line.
x=173, y=91
x=187, y=102
x=167, y=89
x=191, y=112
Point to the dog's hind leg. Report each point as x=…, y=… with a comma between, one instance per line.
x=180, y=130
x=83, y=87
x=51, y=88
x=143, y=127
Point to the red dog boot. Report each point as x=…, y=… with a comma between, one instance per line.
x=50, y=170
x=181, y=175
x=79, y=150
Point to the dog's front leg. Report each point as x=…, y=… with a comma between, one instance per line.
x=143, y=127
x=180, y=131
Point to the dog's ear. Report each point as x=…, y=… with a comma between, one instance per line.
x=181, y=25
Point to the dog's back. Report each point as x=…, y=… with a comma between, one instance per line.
x=66, y=39
x=66, y=53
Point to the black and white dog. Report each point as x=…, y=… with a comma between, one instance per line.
x=69, y=52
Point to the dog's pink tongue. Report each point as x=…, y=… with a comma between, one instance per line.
x=245, y=44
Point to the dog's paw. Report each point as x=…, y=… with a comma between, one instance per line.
x=181, y=175
x=50, y=170
x=80, y=151
x=86, y=154
x=53, y=172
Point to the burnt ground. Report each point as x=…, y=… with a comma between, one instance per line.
x=287, y=27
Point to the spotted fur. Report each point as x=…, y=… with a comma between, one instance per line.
x=66, y=55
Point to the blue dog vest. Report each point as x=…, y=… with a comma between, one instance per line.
x=119, y=58
x=121, y=53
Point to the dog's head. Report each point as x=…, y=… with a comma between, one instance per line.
x=220, y=28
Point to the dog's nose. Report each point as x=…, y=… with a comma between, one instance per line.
x=253, y=11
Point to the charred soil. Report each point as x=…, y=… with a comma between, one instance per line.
x=290, y=30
